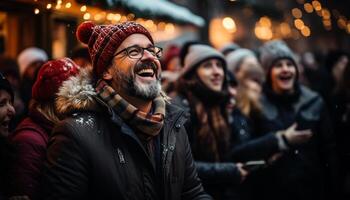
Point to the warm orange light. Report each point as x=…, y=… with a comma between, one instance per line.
x=83, y=8
x=305, y=31
x=299, y=24
x=296, y=12
x=68, y=5
x=169, y=28
x=161, y=26
x=285, y=29
x=36, y=11
x=229, y=24
x=117, y=17
x=341, y=23
x=348, y=27
x=308, y=8
x=317, y=5
x=263, y=32
x=86, y=16
x=265, y=21
x=326, y=14
x=49, y=6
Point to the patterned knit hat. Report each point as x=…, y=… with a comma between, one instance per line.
x=104, y=40
x=51, y=76
x=198, y=53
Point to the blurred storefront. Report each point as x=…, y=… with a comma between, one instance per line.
x=51, y=24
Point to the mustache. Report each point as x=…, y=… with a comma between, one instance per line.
x=141, y=65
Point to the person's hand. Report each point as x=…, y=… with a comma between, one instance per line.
x=244, y=173
x=24, y=197
x=296, y=137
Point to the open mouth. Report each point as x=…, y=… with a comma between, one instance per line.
x=146, y=70
x=285, y=77
x=5, y=124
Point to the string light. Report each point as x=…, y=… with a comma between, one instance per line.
x=83, y=8
x=229, y=24
x=86, y=16
x=296, y=12
x=308, y=8
x=68, y=5
x=36, y=11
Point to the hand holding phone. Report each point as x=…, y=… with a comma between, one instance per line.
x=254, y=165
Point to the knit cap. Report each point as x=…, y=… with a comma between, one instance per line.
x=50, y=78
x=29, y=56
x=104, y=40
x=275, y=50
x=235, y=58
x=198, y=53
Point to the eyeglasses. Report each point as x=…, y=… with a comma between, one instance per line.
x=136, y=52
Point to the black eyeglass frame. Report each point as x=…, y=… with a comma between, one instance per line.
x=155, y=54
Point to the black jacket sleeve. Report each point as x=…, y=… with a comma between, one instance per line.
x=65, y=174
x=218, y=173
x=192, y=187
x=260, y=148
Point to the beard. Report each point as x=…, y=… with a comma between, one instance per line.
x=128, y=83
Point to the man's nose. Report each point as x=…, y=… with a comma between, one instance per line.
x=148, y=55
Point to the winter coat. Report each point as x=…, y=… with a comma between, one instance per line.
x=94, y=154
x=219, y=178
x=305, y=171
x=30, y=140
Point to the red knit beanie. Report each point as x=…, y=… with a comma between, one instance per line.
x=51, y=76
x=104, y=40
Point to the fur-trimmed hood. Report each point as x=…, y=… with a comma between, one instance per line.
x=76, y=94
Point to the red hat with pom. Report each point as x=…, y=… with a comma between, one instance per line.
x=50, y=78
x=104, y=40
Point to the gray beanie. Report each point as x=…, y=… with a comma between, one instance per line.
x=198, y=53
x=228, y=48
x=274, y=50
x=234, y=59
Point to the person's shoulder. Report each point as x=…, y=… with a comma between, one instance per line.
x=29, y=132
x=308, y=95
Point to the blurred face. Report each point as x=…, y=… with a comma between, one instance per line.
x=135, y=77
x=7, y=111
x=211, y=73
x=339, y=68
x=283, y=74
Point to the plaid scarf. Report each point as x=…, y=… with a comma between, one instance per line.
x=147, y=124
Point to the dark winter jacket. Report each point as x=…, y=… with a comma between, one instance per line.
x=95, y=155
x=30, y=140
x=303, y=172
x=218, y=177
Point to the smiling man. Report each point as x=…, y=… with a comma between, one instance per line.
x=305, y=167
x=123, y=140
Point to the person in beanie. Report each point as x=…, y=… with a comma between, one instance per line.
x=123, y=140
x=31, y=136
x=29, y=60
x=7, y=112
x=305, y=168
x=202, y=91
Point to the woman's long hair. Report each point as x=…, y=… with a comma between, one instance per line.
x=209, y=118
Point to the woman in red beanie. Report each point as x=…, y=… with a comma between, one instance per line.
x=31, y=135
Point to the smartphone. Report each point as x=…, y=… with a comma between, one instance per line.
x=254, y=165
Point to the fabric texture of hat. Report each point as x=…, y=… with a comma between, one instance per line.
x=274, y=50
x=235, y=58
x=228, y=48
x=29, y=56
x=51, y=76
x=198, y=53
x=5, y=85
x=104, y=40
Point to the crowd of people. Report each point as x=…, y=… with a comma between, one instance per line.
x=121, y=119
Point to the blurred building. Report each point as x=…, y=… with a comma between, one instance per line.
x=51, y=24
